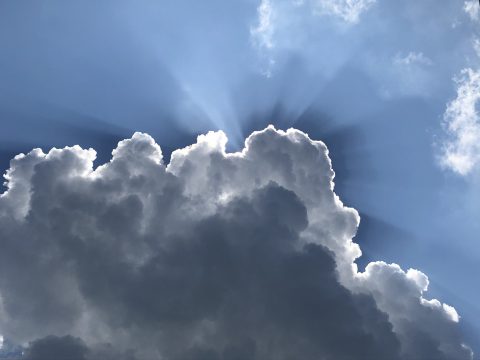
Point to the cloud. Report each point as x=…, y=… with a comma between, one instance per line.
x=347, y=10
x=461, y=150
x=472, y=9
x=262, y=36
x=214, y=256
x=70, y=348
x=476, y=46
x=53, y=347
x=412, y=58
x=280, y=25
x=262, y=33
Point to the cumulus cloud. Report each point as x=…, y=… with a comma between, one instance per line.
x=461, y=150
x=214, y=256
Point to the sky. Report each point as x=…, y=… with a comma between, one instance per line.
x=390, y=88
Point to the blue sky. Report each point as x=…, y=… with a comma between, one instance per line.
x=373, y=79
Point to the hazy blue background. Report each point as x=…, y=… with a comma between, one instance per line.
x=92, y=72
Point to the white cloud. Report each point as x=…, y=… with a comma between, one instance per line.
x=461, y=149
x=281, y=25
x=215, y=253
x=262, y=35
x=476, y=46
x=471, y=7
x=347, y=10
x=412, y=58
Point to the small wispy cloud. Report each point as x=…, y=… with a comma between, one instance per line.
x=461, y=150
x=476, y=46
x=412, y=58
x=348, y=10
x=262, y=35
x=262, y=32
x=277, y=23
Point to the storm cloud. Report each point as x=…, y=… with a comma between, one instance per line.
x=217, y=255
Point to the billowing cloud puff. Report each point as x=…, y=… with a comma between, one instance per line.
x=461, y=151
x=216, y=255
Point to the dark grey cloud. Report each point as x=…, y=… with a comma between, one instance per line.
x=52, y=347
x=218, y=255
x=70, y=348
